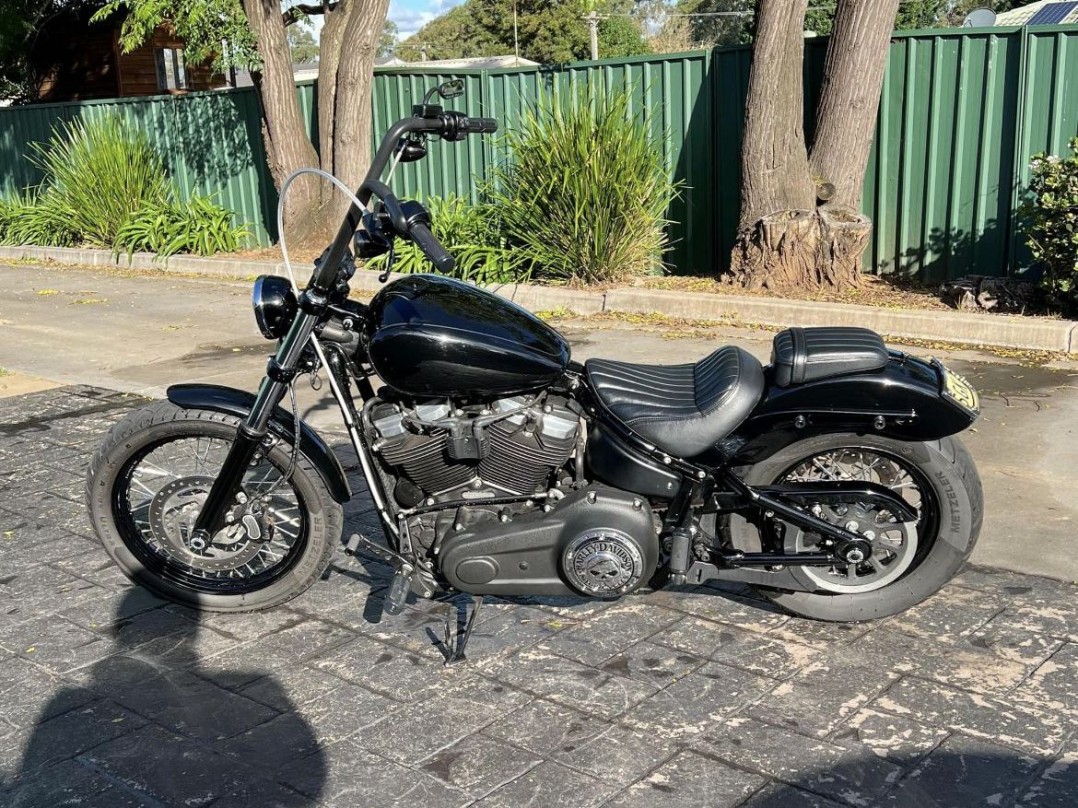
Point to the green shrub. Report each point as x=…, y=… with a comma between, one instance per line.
x=585, y=193
x=98, y=174
x=471, y=233
x=41, y=222
x=104, y=186
x=198, y=226
x=1053, y=222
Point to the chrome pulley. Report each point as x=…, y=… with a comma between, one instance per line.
x=891, y=548
x=890, y=545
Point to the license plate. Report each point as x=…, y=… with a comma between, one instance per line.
x=961, y=391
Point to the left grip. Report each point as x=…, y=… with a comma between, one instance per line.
x=431, y=247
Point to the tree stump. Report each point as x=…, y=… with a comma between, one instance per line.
x=802, y=249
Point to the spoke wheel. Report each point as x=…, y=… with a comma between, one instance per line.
x=166, y=486
x=150, y=478
x=937, y=479
x=894, y=543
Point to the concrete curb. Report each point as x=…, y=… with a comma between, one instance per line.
x=1001, y=330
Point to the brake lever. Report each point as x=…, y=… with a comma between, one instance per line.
x=389, y=261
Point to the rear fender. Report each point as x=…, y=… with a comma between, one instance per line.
x=282, y=424
x=903, y=401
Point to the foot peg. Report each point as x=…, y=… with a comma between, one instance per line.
x=399, y=589
x=401, y=584
x=456, y=638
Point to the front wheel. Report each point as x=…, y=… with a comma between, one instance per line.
x=909, y=562
x=147, y=483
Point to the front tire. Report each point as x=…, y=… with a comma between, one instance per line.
x=143, y=490
x=951, y=513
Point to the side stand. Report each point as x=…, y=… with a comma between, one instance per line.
x=456, y=637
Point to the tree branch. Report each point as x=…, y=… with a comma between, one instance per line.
x=306, y=9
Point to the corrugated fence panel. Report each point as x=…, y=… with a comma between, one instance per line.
x=961, y=113
x=211, y=143
x=938, y=179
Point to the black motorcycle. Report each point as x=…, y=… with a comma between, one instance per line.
x=829, y=479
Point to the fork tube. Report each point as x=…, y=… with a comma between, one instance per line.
x=250, y=433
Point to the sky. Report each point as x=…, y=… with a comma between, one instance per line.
x=411, y=15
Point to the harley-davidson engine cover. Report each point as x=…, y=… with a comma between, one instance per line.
x=598, y=542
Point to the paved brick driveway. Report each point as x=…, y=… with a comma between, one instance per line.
x=109, y=697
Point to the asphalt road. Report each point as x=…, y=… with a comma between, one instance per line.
x=139, y=334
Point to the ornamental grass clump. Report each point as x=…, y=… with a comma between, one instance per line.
x=105, y=186
x=585, y=193
x=1052, y=217
x=99, y=173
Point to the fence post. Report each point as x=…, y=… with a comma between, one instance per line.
x=1021, y=145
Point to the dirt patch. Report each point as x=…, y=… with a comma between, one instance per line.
x=883, y=293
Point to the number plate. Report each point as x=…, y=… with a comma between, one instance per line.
x=960, y=391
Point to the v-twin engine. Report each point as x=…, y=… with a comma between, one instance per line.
x=439, y=451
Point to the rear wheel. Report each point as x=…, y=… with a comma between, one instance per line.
x=148, y=482
x=909, y=562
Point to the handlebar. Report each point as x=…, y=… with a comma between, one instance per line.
x=482, y=126
x=450, y=125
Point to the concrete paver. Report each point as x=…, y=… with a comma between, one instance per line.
x=111, y=697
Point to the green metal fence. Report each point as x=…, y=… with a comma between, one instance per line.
x=962, y=111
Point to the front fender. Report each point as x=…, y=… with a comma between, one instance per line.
x=904, y=401
x=282, y=424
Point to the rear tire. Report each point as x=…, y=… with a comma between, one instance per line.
x=159, y=424
x=953, y=489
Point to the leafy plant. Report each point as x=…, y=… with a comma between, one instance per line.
x=98, y=174
x=28, y=221
x=105, y=186
x=585, y=193
x=1053, y=221
x=472, y=234
x=200, y=226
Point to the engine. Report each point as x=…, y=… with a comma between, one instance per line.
x=440, y=451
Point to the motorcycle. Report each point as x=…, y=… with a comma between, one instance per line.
x=830, y=479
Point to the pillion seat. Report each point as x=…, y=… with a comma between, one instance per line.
x=801, y=355
x=682, y=409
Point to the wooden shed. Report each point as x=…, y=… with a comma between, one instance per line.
x=76, y=59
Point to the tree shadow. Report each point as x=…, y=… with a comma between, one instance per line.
x=949, y=253
x=155, y=722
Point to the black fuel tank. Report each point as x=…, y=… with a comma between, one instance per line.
x=434, y=336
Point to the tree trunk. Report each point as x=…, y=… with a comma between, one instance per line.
x=287, y=145
x=850, y=95
x=346, y=68
x=799, y=225
x=351, y=146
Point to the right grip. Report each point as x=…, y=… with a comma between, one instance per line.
x=431, y=247
x=482, y=126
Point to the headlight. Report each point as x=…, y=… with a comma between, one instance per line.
x=275, y=305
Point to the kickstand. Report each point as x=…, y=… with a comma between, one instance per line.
x=456, y=641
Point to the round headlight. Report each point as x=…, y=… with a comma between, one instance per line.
x=275, y=305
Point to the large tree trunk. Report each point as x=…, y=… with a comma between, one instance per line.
x=346, y=67
x=287, y=145
x=799, y=224
x=348, y=155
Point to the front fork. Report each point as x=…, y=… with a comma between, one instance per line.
x=281, y=370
